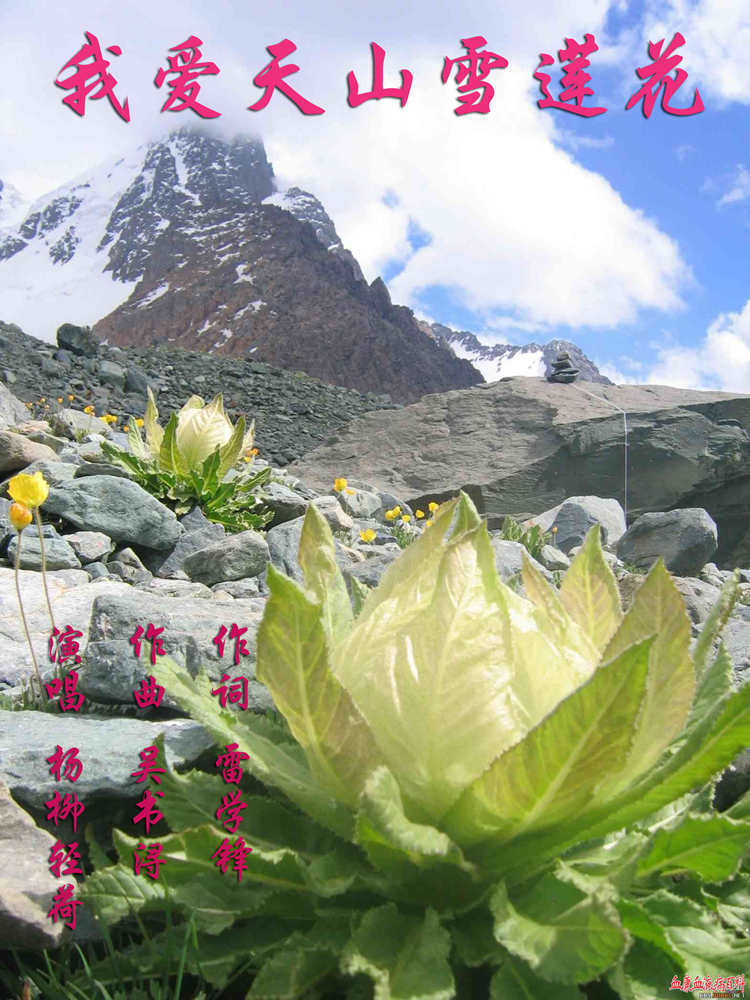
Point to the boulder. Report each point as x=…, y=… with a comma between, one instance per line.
x=77, y=339
x=509, y=559
x=111, y=669
x=685, y=540
x=17, y=452
x=234, y=558
x=525, y=441
x=576, y=517
x=118, y=507
x=283, y=544
x=12, y=410
x=28, y=886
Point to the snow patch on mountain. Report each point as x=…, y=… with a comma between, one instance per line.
x=13, y=205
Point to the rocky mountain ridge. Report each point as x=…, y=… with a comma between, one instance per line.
x=506, y=360
x=187, y=241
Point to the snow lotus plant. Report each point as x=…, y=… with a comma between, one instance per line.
x=472, y=794
x=187, y=462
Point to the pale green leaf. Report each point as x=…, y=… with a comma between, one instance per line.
x=136, y=442
x=688, y=932
x=292, y=661
x=425, y=866
x=590, y=595
x=644, y=973
x=733, y=901
x=553, y=773
x=154, y=433
x=565, y=935
x=424, y=681
x=658, y=610
x=273, y=759
x=170, y=456
x=719, y=616
x=514, y=980
x=230, y=452
x=291, y=973
x=323, y=578
x=406, y=956
x=202, y=431
x=710, y=846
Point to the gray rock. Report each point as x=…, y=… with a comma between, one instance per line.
x=100, y=469
x=110, y=670
x=359, y=503
x=17, y=452
x=110, y=373
x=136, y=381
x=508, y=443
x=685, y=539
x=70, y=421
x=170, y=564
x=333, y=513
x=97, y=571
x=736, y=638
x=509, y=559
x=699, y=597
x=371, y=572
x=283, y=545
x=118, y=507
x=12, y=410
x=54, y=472
x=234, y=558
x=57, y=553
x=177, y=588
x=28, y=886
x=71, y=605
x=237, y=588
x=90, y=545
x=576, y=517
x=77, y=339
x=285, y=503
x=128, y=573
x=107, y=748
x=554, y=559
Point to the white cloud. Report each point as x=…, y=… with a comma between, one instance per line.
x=573, y=141
x=519, y=228
x=721, y=361
x=682, y=152
x=717, y=40
x=739, y=188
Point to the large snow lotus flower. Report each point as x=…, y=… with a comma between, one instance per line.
x=518, y=778
x=191, y=436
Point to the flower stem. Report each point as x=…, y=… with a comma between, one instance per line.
x=23, y=616
x=44, y=565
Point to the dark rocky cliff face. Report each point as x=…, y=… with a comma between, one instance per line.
x=254, y=281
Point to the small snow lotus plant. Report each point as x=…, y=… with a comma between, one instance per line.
x=188, y=460
x=471, y=794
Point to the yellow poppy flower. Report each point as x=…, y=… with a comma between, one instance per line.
x=419, y=513
x=20, y=516
x=367, y=535
x=29, y=491
x=339, y=485
x=433, y=506
x=406, y=518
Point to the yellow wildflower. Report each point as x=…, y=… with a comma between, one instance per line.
x=20, y=516
x=433, y=506
x=139, y=421
x=59, y=399
x=125, y=428
x=339, y=485
x=350, y=492
x=109, y=418
x=42, y=399
x=367, y=535
x=554, y=530
x=89, y=410
x=71, y=398
x=29, y=491
x=406, y=518
x=428, y=523
x=391, y=515
x=419, y=513
x=253, y=451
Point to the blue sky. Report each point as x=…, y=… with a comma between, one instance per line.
x=627, y=235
